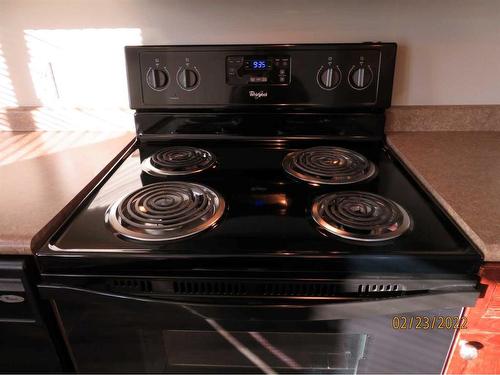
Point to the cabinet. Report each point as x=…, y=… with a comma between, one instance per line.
x=29, y=339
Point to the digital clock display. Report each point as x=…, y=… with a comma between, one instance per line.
x=258, y=64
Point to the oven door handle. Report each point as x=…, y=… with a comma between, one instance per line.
x=294, y=312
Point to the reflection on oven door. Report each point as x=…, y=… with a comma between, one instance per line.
x=270, y=352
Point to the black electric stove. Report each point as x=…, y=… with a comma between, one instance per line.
x=258, y=202
x=268, y=212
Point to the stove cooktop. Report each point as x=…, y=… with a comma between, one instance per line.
x=267, y=212
x=278, y=167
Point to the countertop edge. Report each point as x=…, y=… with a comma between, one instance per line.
x=484, y=248
x=43, y=235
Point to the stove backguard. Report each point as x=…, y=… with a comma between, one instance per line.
x=307, y=77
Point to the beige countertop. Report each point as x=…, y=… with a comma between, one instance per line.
x=462, y=171
x=41, y=172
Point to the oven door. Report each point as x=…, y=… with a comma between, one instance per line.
x=110, y=332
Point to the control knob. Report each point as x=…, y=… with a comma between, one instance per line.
x=328, y=77
x=188, y=79
x=157, y=78
x=360, y=77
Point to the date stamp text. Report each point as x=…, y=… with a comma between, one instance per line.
x=429, y=322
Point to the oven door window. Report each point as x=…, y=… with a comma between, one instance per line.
x=270, y=352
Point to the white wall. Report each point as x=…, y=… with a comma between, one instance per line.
x=449, y=50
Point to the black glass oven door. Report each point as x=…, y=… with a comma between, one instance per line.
x=118, y=333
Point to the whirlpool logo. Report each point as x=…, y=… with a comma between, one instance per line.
x=257, y=94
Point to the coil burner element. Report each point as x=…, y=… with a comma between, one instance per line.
x=361, y=216
x=329, y=165
x=165, y=211
x=178, y=160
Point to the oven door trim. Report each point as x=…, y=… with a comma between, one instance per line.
x=306, y=310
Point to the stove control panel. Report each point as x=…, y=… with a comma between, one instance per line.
x=314, y=76
x=258, y=70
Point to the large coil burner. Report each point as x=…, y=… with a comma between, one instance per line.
x=165, y=211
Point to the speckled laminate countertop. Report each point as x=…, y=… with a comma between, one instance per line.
x=462, y=171
x=40, y=172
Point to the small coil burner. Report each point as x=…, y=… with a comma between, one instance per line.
x=329, y=165
x=165, y=211
x=361, y=216
x=178, y=160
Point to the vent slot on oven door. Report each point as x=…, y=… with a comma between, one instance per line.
x=251, y=288
x=210, y=287
x=130, y=285
x=378, y=288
